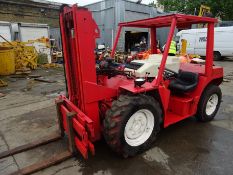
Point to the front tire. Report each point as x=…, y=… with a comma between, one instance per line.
x=217, y=56
x=132, y=123
x=209, y=103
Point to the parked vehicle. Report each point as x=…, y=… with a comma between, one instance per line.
x=125, y=110
x=196, y=41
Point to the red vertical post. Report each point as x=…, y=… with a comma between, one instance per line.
x=209, y=49
x=116, y=41
x=157, y=81
x=79, y=32
x=66, y=56
x=153, y=41
x=85, y=34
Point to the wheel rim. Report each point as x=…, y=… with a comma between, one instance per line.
x=139, y=127
x=212, y=104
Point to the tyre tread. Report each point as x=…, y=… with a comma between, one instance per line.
x=114, y=117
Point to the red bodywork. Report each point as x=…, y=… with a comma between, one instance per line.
x=90, y=95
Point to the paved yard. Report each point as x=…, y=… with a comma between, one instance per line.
x=27, y=113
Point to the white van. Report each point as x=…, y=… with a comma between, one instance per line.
x=196, y=41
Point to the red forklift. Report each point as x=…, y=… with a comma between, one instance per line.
x=127, y=111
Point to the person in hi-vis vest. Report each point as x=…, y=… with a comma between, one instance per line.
x=172, y=49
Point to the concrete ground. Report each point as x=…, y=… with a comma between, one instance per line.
x=27, y=113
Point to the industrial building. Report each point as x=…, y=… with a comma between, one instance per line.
x=86, y=110
x=29, y=19
x=109, y=13
x=30, y=11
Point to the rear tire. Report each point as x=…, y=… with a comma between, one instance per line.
x=217, y=56
x=209, y=103
x=132, y=123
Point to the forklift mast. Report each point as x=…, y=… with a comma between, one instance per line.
x=79, y=31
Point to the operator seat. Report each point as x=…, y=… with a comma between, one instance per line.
x=185, y=82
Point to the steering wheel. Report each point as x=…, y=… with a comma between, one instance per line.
x=168, y=73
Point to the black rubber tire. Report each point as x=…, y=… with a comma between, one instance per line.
x=217, y=56
x=116, y=119
x=201, y=110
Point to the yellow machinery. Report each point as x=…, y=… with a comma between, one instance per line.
x=26, y=56
x=202, y=12
x=7, y=60
x=184, y=57
x=183, y=50
x=16, y=55
x=41, y=40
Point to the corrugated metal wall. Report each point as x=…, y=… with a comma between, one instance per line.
x=104, y=15
x=109, y=13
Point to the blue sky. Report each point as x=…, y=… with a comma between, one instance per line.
x=84, y=2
